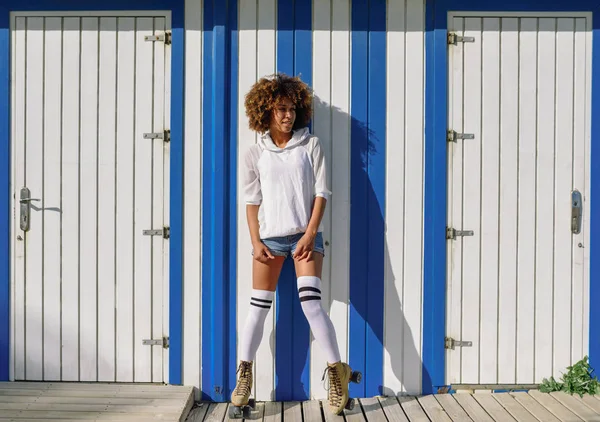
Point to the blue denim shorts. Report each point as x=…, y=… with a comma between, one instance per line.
x=285, y=245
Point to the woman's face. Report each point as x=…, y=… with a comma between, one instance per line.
x=284, y=116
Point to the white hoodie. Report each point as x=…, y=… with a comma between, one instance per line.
x=284, y=182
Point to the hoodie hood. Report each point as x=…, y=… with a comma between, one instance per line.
x=298, y=137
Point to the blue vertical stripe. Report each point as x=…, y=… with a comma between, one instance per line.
x=367, y=209
x=292, y=369
x=176, y=205
x=434, y=260
x=5, y=317
x=594, y=330
x=219, y=133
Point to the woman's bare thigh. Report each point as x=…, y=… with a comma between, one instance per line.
x=265, y=276
x=313, y=267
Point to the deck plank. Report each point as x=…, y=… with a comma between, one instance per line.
x=198, y=413
x=514, y=407
x=452, y=408
x=473, y=408
x=392, y=409
x=372, y=410
x=493, y=408
x=330, y=417
x=311, y=410
x=216, y=412
x=554, y=406
x=575, y=406
x=534, y=407
x=590, y=401
x=273, y=412
x=433, y=409
x=413, y=409
x=292, y=411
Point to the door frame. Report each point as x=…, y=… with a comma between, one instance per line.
x=176, y=11
x=436, y=172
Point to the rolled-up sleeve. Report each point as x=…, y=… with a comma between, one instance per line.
x=251, y=177
x=320, y=170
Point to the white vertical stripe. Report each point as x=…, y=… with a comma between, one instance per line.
x=107, y=237
x=142, y=199
x=15, y=231
x=490, y=138
x=19, y=181
x=159, y=200
x=266, y=47
x=455, y=150
x=164, y=306
x=509, y=80
x=526, y=198
x=321, y=63
x=544, y=199
x=396, y=325
x=471, y=213
x=563, y=182
x=34, y=179
x=125, y=192
x=70, y=199
x=247, y=76
x=586, y=189
x=52, y=152
x=192, y=300
x=340, y=172
x=87, y=205
x=579, y=178
x=413, y=207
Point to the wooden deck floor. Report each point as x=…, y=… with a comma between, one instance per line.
x=28, y=401
x=462, y=407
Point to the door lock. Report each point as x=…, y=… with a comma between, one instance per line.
x=576, y=211
x=25, y=208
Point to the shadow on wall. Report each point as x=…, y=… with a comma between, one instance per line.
x=399, y=342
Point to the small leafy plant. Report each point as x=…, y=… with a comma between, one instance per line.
x=578, y=379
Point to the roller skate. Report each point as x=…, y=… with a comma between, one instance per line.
x=241, y=403
x=340, y=375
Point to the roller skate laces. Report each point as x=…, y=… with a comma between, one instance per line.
x=241, y=393
x=337, y=394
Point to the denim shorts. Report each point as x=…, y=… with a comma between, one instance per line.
x=284, y=245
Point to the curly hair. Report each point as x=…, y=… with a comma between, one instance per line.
x=265, y=95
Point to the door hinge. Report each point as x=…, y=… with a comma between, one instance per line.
x=164, y=37
x=452, y=233
x=164, y=135
x=450, y=343
x=453, y=136
x=454, y=39
x=164, y=232
x=164, y=342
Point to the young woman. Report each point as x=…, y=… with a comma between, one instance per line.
x=285, y=189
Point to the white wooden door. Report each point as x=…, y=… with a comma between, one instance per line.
x=518, y=287
x=88, y=285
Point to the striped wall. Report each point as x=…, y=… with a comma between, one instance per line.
x=367, y=73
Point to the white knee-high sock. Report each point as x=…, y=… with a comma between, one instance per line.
x=260, y=304
x=309, y=290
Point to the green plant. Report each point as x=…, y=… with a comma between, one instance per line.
x=578, y=379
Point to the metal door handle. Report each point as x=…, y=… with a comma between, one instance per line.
x=576, y=211
x=25, y=201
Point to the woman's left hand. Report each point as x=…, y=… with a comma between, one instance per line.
x=305, y=247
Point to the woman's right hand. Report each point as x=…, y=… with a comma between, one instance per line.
x=261, y=252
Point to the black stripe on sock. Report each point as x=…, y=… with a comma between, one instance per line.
x=260, y=306
x=261, y=300
x=309, y=289
x=305, y=298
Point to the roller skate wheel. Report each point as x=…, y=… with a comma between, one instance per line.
x=350, y=404
x=356, y=377
x=252, y=403
x=235, y=412
x=247, y=413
